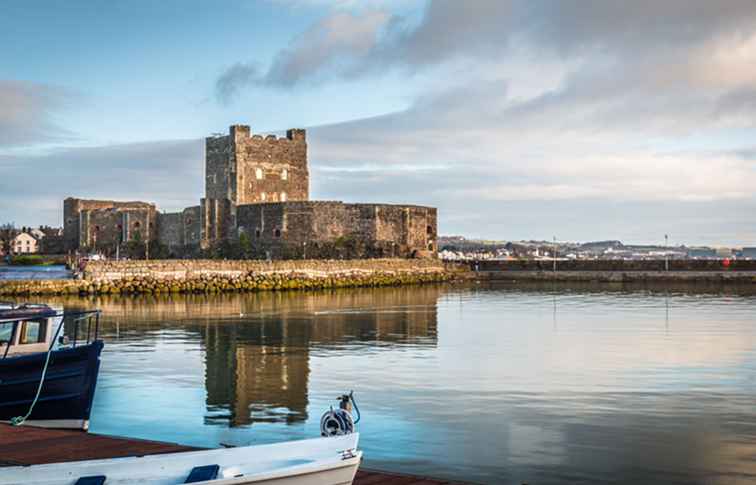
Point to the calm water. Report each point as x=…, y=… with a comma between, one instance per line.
x=52, y=272
x=500, y=384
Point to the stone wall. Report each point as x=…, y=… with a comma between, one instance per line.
x=675, y=265
x=191, y=218
x=217, y=220
x=100, y=224
x=171, y=231
x=270, y=169
x=242, y=168
x=195, y=268
x=210, y=276
x=296, y=229
x=585, y=276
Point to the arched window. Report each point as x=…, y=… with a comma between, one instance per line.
x=277, y=233
x=283, y=196
x=188, y=221
x=284, y=174
x=429, y=230
x=257, y=233
x=263, y=197
x=137, y=225
x=97, y=228
x=258, y=173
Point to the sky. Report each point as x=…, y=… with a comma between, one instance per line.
x=519, y=119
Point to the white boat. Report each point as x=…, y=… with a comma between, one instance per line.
x=319, y=461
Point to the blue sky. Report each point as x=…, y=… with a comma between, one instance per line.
x=518, y=119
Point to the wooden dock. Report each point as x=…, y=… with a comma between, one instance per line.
x=33, y=446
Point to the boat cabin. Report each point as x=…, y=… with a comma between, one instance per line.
x=27, y=328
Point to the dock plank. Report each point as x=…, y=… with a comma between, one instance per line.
x=25, y=445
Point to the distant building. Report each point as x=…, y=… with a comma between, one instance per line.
x=24, y=243
x=749, y=253
x=702, y=253
x=724, y=252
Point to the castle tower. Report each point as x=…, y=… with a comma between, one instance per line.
x=242, y=168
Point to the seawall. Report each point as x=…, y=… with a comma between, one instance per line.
x=709, y=277
x=611, y=271
x=212, y=276
x=602, y=265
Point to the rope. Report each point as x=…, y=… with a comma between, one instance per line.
x=336, y=422
x=19, y=420
x=357, y=409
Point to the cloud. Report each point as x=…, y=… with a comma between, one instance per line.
x=233, y=79
x=27, y=113
x=349, y=42
x=327, y=46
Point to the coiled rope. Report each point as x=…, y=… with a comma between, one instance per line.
x=339, y=422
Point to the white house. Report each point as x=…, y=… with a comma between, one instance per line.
x=24, y=243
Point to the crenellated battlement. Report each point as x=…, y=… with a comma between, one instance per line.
x=244, y=134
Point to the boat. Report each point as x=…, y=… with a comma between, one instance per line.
x=48, y=377
x=319, y=461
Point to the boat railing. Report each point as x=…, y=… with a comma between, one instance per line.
x=86, y=322
x=91, y=317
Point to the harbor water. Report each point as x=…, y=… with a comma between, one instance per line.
x=496, y=383
x=35, y=272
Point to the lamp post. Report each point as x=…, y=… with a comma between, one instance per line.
x=555, y=254
x=666, y=254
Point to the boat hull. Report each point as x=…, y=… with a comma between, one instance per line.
x=67, y=392
x=320, y=461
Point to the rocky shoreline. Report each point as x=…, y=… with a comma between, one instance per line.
x=199, y=276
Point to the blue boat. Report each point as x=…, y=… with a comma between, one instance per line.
x=47, y=375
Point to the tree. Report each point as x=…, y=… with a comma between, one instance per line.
x=7, y=233
x=135, y=248
x=245, y=246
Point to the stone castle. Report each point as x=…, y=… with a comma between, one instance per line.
x=256, y=190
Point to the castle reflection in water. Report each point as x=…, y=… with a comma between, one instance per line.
x=258, y=346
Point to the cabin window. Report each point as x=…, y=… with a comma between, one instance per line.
x=6, y=332
x=284, y=174
x=32, y=332
x=283, y=196
x=277, y=233
x=258, y=173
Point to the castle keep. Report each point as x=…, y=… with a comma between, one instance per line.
x=256, y=191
